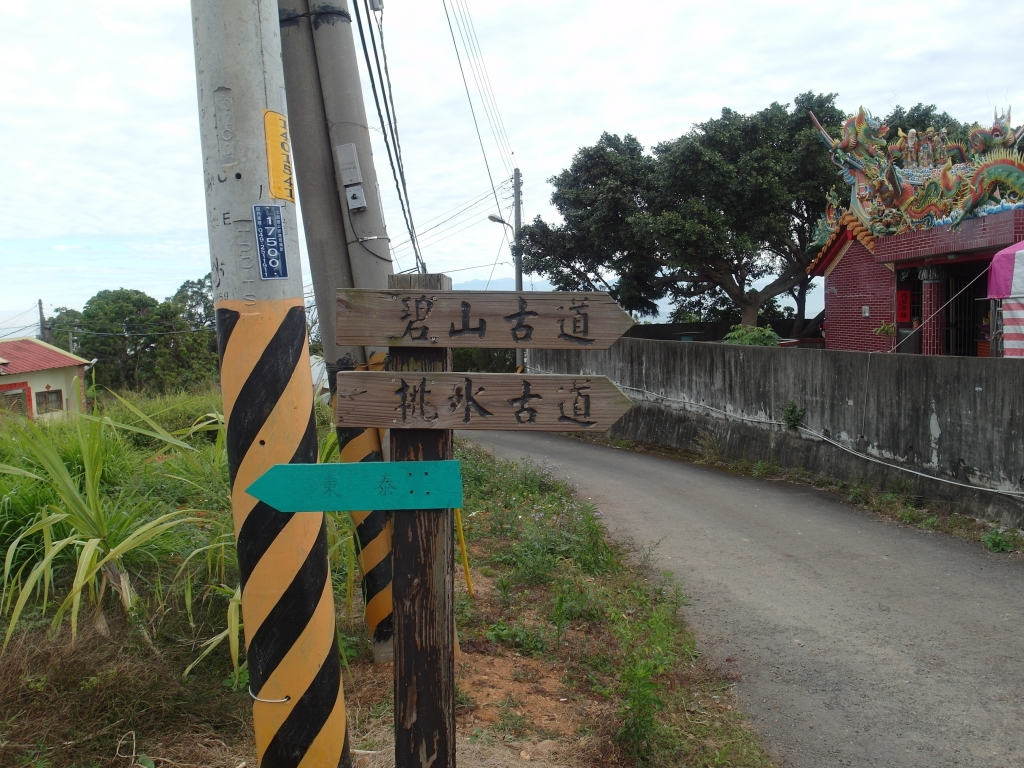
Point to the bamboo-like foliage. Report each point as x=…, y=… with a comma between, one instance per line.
x=100, y=530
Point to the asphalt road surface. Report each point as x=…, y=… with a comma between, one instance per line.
x=857, y=642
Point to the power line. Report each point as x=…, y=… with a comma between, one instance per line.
x=15, y=317
x=487, y=79
x=470, y=225
x=389, y=108
x=471, y=44
x=477, y=79
x=387, y=141
x=447, y=224
x=476, y=125
x=504, y=239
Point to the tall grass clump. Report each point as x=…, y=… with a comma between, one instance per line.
x=84, y=518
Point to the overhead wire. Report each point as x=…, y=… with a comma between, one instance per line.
x=472, y=110
x=469, y=225
x=387, y=141
x=384, y=77
x=504, y=239
x=479, y=68
x=461, y=24
x=490, y=88
x=469, y=213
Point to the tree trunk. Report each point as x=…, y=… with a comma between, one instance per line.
x=800, y=297
x=749, y=314
x=812, y=326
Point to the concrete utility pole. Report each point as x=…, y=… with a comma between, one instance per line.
x=517, y=187
x=287, y=600
x=347, y=240
x=355, y=176
x=43, y=335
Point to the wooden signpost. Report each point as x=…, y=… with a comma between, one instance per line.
x=496, y=401
x=421, y=401
x=497, y=319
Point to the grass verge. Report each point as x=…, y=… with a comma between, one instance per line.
x=556, y=590
x=896, y=502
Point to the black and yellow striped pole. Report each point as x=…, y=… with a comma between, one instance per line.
x=287, y=599
x=347, y=246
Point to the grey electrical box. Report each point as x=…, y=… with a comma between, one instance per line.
x=348, y=165
x=356, y=198
x=376, y=5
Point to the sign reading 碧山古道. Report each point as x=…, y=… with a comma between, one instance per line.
x=495, y=319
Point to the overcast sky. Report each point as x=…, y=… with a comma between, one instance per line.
x=99, y=135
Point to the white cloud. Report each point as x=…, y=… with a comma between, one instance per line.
x=99, y=129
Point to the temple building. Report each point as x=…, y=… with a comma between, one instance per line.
x=905, y=260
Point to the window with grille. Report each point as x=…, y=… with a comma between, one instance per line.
x=49, y=401
x=13, y=401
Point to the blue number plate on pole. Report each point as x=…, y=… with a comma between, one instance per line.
x=360, y=486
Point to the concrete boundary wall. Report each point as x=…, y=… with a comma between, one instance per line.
x=956, y=418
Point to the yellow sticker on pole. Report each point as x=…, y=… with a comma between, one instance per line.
x=279, y=156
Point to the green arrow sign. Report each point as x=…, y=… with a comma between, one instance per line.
x=360, y=486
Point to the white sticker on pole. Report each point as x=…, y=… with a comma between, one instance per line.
x=270, y=242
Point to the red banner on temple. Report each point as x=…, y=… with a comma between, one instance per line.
x=902, y=306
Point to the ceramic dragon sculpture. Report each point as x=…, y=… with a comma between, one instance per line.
x=937, y=181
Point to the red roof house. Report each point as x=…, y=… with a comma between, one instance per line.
x=38, y=379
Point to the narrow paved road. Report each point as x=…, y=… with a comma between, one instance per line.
x=858, y=642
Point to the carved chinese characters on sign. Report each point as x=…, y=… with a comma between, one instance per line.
x=478, y=401
x=509, y=319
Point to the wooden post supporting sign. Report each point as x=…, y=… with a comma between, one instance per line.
x=424, y=599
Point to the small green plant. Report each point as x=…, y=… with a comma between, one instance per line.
x=884, y=329
x=931, y=522
x=860, y=493
x=708, y=448
x=641, y=704
x=509, y=720
x=792, y=414
x=519, y=637
x=996, y=541
x=765, y=468
x=505, y=594
x=752, y=336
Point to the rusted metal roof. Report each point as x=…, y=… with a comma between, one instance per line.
x=27, y=355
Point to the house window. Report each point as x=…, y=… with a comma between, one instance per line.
x=49, y=401
x=14, y=401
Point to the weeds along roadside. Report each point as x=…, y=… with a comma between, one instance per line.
x=896, y=501
x=562, y=591
x=566, y=594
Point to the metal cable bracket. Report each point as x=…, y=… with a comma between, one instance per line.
x=268, y=701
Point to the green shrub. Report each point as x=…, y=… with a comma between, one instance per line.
x=752, y=336
x=997, y=541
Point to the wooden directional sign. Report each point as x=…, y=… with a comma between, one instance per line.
x=359, y=486
x=418, y=318
x=498, y=401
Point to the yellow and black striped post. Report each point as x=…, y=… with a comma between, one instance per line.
x=373, y=529
x=287, y=599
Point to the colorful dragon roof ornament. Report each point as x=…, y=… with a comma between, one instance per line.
x=919, y=181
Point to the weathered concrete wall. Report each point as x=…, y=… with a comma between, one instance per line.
x=958, y=418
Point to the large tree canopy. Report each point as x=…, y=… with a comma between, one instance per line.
x=733, y=201
x=142, y=343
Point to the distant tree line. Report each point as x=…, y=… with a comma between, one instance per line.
x=140, y=343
